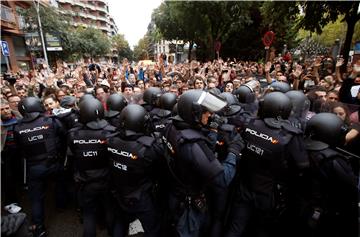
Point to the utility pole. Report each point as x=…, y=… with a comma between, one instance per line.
x=37, y=7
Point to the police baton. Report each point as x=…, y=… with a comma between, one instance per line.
x=347, y=153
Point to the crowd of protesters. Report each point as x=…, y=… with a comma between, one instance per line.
x=326, y=86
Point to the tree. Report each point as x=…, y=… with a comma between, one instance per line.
x=280, y=17
x=179, y=20
x=319, y=14
x=51, y=22
x=92, y=42
x=202, y=23
x=141, y=50
x=121, y=45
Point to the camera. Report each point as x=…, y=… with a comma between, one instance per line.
x=10, y=78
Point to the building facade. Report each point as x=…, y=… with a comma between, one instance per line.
x=176, y=51
x=11, y=32
x=89, y=13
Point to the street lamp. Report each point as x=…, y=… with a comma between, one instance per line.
x=37, y=7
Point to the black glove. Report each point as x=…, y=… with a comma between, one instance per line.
x=235, y=145
x=216, y=121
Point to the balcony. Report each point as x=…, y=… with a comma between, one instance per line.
x=90, y=6
x=7, y=14
x=104, y=28
x=79, y=3
x=66, y=1
x=102, y=8
x=102, y=18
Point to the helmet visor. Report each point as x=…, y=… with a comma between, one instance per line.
x=211, y=102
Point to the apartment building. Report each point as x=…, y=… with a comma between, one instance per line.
x=11, y=32
x=89, y=13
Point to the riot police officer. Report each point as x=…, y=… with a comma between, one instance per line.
x=41, y=140
x=192, y=165
x=279, y=86
x=247, y=97
x=70, y=115
x=273, y=147
x=160, y=116
x=300, y=108
x=115, y=104
x=133, y=157
x=88, y=146
x=151, y=98
x=333, y=206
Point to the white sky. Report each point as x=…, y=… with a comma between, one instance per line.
x=132, y=17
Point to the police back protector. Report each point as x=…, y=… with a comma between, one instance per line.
x=265, y=156
x=89, y=149
x=38, y=139
x=192, y=164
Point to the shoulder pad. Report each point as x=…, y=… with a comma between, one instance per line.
x=110, y=128
x=164, y=113
x=272, y=123
x=145, y=140
x=190, y=134
x=227, y=127
x=313, y=145
x=290, y=128
x=111, y=135
x=328, y=153
x=96, y=125
x=75, y=129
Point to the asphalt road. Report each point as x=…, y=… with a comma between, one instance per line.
x=65, y=222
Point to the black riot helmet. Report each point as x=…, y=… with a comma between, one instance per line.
x=246, y=92
x=275, y=105
x=151, y=95
x=233, y=106
x=86, y=97
x=167, y=101
x=327, y=128
x=91, y=110
x=115, y=103
x=280, y=86
x=133, y=119
x=300, y=103
x=193, y=103
x=31, y=107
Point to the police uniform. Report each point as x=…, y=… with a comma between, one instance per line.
x=192, y=167
x=333, y=204
x=159, y=118
x=132, y=162
x=273, y=156
x=88, y=146
x=42, y=144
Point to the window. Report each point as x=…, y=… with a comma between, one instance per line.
x=19, y=46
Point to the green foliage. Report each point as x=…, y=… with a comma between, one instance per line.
x=92, y=42
x=318, y=14
x=120, y=44
x=201, y=22
x=280, y=17
x=77, y=42
x=51, y=20
x=238, y=25
x=331, y=32
x=141, y=50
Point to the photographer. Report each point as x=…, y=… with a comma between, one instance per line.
x=349, y=90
